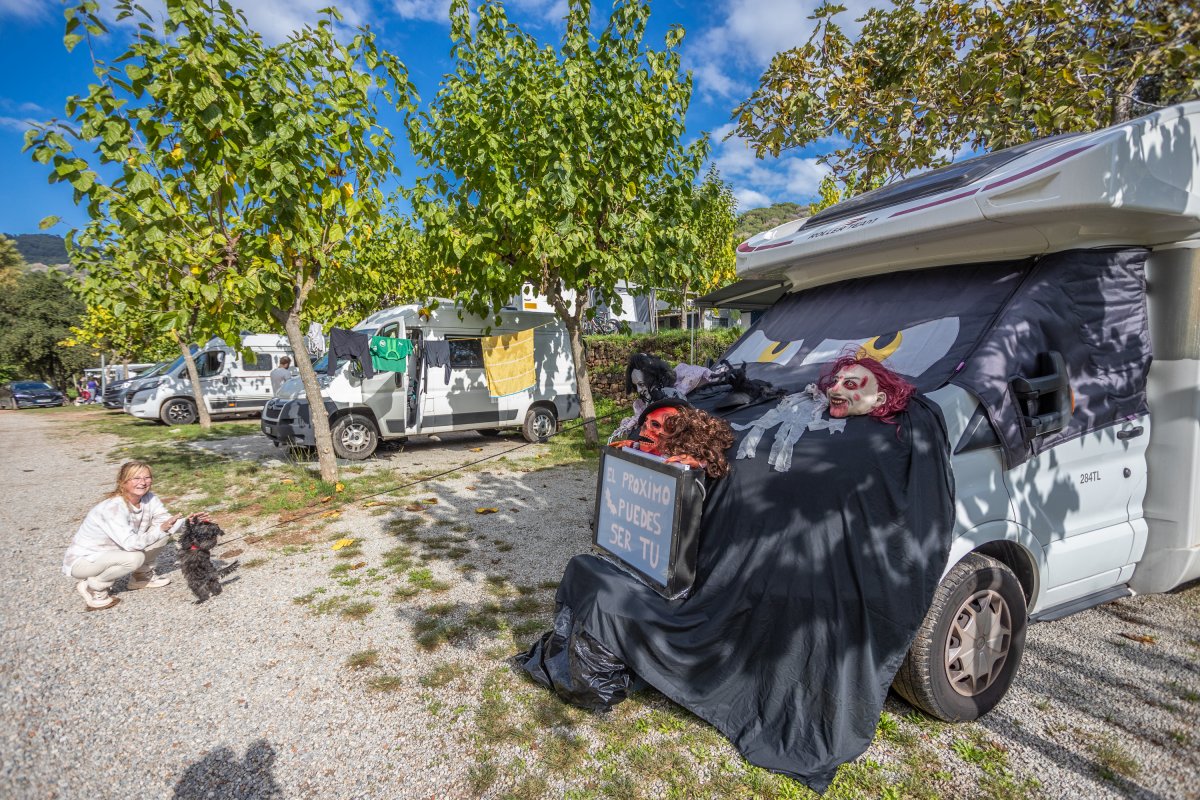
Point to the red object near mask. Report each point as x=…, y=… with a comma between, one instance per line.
x=652, y=429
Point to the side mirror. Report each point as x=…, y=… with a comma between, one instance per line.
x=1044, y=402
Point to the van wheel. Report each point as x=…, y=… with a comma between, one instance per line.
x=178, y=412
x=540, y=424
x=354, y=437
x=967, y=651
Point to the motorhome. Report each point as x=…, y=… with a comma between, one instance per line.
x=1046, y=298
x=446, y=384
x=233, y=382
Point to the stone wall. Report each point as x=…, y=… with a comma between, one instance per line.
x=607, y=356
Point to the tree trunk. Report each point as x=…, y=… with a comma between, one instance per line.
x=194, y=376
x=583, y=382
x=312, y=392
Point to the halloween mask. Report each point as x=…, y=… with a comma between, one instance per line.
x=854, y=392
x=652, y=428
x=638, y=378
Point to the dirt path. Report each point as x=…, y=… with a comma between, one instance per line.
x=250, y=695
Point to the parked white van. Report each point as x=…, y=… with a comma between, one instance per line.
x=233, y=382
x=1076, y=457
x=444, y=386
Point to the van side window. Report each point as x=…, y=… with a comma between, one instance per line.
x=210, y=363
x=465, y=353
x=263, y=363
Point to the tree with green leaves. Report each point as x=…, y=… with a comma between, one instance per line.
x=36, y=314
x=561, y=168
x=247, y=177
x=930, y=78
x=10, y=262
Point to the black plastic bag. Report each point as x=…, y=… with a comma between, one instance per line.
x=578, y=668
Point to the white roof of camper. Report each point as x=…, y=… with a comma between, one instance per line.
x=449, y=315
x=1137, y=183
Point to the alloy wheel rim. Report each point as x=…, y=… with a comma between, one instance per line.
x=354, y=438
x=978, y=643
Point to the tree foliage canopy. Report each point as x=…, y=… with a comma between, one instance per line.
x=245, y=177
x=562, y=168
x=929, y=78
x=36, y=315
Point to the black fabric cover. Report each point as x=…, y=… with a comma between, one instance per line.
x=577, y=667
x=1090, y=305
x=921, y=324
x=810, y=586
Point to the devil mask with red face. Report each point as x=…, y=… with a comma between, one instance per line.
x=653, y=428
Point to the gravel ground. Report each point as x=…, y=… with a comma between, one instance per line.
x=248, y=696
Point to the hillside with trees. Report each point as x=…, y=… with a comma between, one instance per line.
x=40, y=248
x=757, y=220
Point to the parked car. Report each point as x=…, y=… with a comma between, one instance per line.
x=30, y=394
x=116, y=391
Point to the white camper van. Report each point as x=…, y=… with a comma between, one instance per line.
x=1076, y=455
x=234, y=382
x=445, y=384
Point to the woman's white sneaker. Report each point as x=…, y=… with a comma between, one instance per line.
x=147, y=580
x=94, y=599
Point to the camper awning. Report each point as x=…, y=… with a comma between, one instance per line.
x=744, y=295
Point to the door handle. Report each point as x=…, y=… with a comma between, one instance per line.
x=1130, y=433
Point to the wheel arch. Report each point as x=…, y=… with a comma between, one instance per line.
x=1010, y=544
x=335, y=412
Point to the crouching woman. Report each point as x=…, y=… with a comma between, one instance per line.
x=122, y=535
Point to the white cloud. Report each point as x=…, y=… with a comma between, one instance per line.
x=749, y=35
x=18, y=125
x=761, y=182
x=748, y=199
x=274, y=19
x=425, y=10
x=28, y=9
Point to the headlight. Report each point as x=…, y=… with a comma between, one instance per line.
x=154, y=384
x=23, y=396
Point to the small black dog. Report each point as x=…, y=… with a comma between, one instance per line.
x=195, y=559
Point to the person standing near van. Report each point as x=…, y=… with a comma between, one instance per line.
x=280, y=374
x=122, y=535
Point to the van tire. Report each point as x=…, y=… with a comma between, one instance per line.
x=979, y=590
x=540, y=424
x=354, y=437
x=178, y=411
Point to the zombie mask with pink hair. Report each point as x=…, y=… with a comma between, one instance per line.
x=862, y=386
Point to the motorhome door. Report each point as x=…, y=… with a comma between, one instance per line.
x=386, y=393
x=215, y=382
x=252, y=382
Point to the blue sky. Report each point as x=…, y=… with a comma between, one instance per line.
x=728, y=44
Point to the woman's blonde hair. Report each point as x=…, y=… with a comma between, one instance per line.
x=127, y=471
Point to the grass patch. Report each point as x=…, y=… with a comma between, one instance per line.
x=255, y=562
x=443, y=675
x=1112, y=760
x=386, y=683
x=422, y=578
x=362, y=659
x=357, y=610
